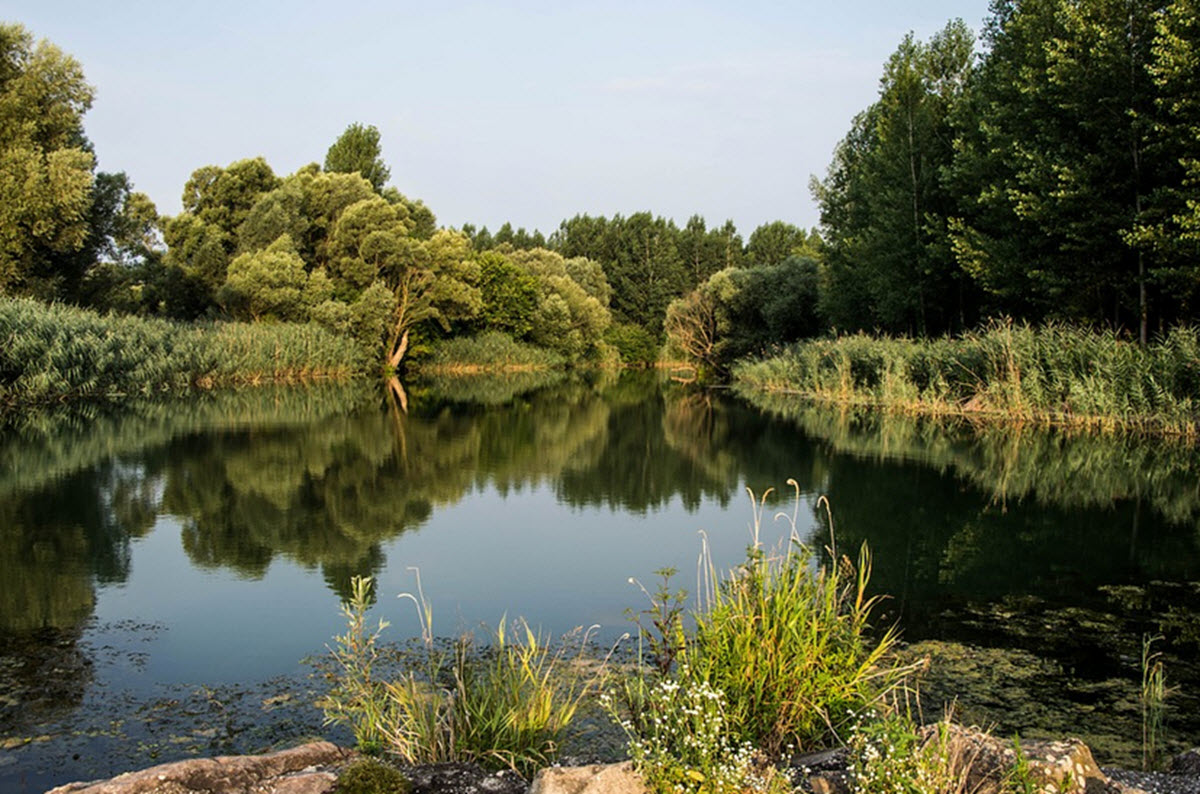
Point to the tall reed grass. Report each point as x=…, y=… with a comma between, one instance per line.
x=53, y=353
x=491, y=351
x=1053, y=374
x=508, y=704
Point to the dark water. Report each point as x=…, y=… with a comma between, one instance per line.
x=165, y=568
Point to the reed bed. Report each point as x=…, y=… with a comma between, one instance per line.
x=490, y=351
x=1053, y=374
x=56, y=353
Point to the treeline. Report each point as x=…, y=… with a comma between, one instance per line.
x=331, y=244
x=1050, y=176
x=1053, y=175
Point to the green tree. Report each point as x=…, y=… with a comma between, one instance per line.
x=267, y=283
x=510, y=295
x=884, y=207
x=1054, y=162
x=46, y=163
x=357, y=151
x=1170, y=229
x=774, y=242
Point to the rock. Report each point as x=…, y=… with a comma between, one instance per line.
x=463, y=779
x=293, y=771
x=1061, y=767
x=598, y=779
x=1186, y=763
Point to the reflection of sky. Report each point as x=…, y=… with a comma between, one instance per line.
x=524, y=555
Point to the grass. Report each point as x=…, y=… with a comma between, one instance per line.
x=1153, y=702
x=777, y=656
x=506, y=705
x=790, y=643
x=491, y=351
x=1053, y=374
x=54, y=353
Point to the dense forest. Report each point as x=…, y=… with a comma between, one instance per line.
x=1048, y=171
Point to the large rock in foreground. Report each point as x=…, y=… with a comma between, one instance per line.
x=307, y=769
x=1053, y=767
x=598, y=779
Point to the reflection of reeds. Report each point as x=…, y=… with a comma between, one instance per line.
x=1153, y=700
x=1059, y=466
x=1049, y=375
x=54, y=353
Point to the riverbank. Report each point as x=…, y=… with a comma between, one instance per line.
x=58, y=353
x=1050, y=375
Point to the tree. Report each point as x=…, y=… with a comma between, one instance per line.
x=774, y=242
x=884, y=207
x=46, y=163
x=1055, y=164
x=357, y=151
x=267, y=283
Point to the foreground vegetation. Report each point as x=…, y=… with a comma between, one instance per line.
x=1050, y=375
x=54, y=353
x=777, y=657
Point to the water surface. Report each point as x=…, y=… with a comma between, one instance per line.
x=165, y=567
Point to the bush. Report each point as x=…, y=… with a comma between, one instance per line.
x=369, y=776
x=637, y=346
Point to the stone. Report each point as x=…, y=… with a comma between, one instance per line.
x=1186, y=763
x=596, y=779
x=455, y=778
x=304, y=783
x=249, y=774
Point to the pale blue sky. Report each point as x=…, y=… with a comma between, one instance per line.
x=529, y=112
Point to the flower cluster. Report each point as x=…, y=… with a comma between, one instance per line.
x=677, y=739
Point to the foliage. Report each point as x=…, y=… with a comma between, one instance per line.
x=1052, y=374
x=883, y=205
x=636, y=346
x=370, y=776
x=744, y=311
x=506, y=706
x=57, y=217
x=357, y=151
x=679, y=741
x=56, y=353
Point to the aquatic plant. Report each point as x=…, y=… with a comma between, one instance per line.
x=789, y=642
x=491, y=351
x=53, y=353
x=1153, y=701
x=506, y=705
x=1052, y=374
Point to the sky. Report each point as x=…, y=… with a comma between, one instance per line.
x=528, y=112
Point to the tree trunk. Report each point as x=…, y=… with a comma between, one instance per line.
x=398, y=354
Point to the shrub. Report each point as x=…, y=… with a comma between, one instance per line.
x=636, y=345
x=370, y=776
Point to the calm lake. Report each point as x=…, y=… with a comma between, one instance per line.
x=170, y=570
